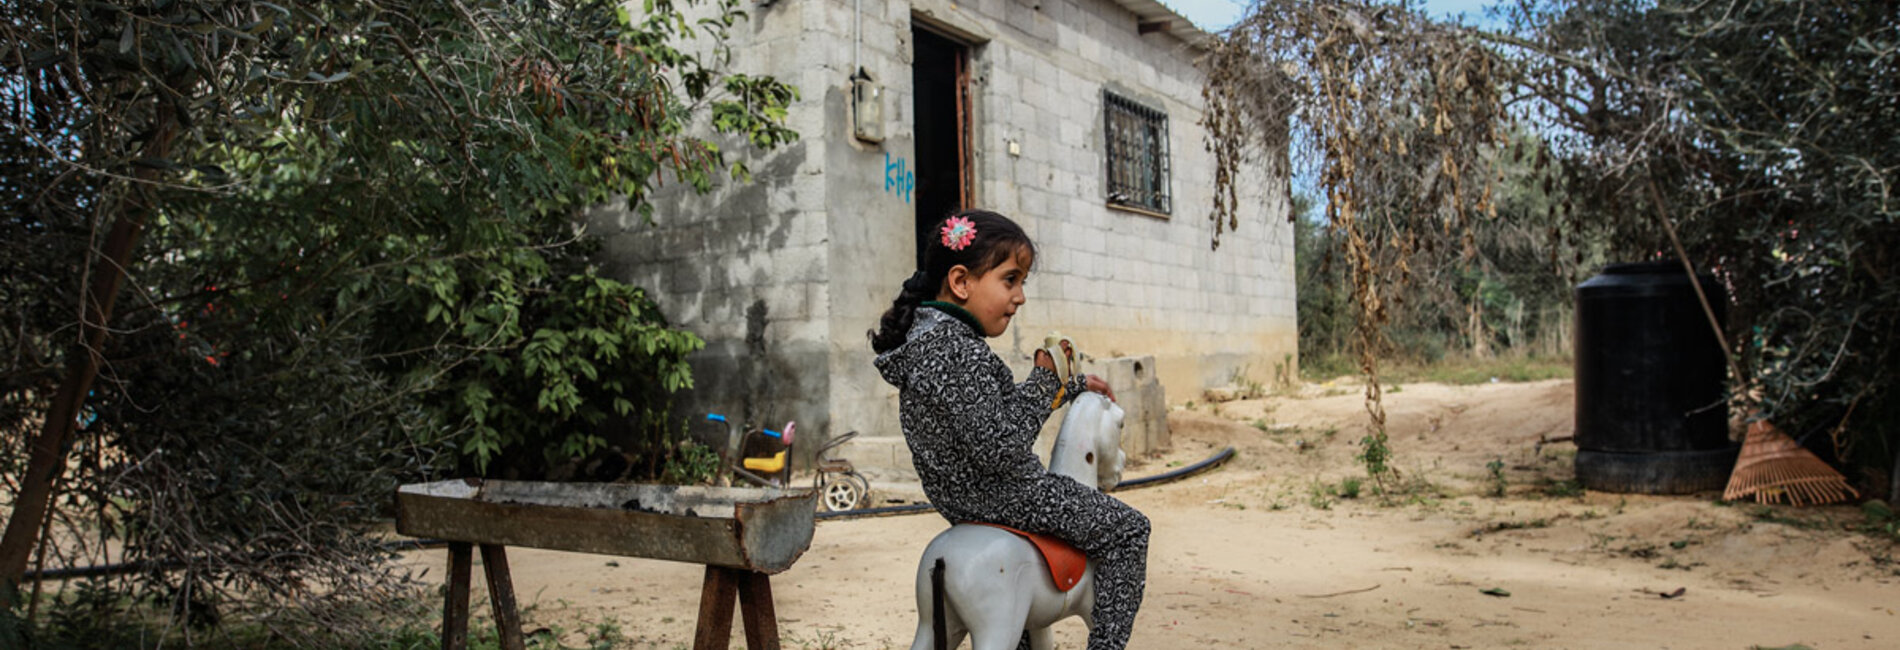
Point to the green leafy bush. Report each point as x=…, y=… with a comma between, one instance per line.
x=354, y=261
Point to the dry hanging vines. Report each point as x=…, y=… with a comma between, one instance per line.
x=1400, y=116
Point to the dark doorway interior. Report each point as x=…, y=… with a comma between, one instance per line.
x=940, y=77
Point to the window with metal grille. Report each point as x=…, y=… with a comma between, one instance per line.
x=1137, y=155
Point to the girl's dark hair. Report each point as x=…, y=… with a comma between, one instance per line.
x=997, y=239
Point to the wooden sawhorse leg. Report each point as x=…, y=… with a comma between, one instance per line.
x=754, y=593
x=455, y=611
x=501, y=595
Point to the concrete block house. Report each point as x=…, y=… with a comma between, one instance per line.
x=1077, y=118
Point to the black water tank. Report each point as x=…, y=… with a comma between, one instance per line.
x=1652, y=401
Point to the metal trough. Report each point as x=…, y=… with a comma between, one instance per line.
x=763, y=530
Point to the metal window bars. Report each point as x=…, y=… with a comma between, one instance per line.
x=1137, y=155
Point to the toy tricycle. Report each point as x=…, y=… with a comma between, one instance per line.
x=840, y=486
x=763, y=458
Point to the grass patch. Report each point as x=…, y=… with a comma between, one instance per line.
x=1565, y=489
x=1464, y=372
x=1881, y=519
x=1671, y=563
x=95, y=619
x=1496, y=479
x=1349, y=488
x=1501, y=526
x=1321, y=495
x=1769, y=514
x=1322, y=368
x=1459, y=371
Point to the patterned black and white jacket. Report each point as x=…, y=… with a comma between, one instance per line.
x=969, y=426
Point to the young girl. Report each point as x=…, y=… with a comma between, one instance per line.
x=970, y=427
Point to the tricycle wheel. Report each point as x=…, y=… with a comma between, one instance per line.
x=843, y=492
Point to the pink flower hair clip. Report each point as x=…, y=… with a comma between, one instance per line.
x=958, y=232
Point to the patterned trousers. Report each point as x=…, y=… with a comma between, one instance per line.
x=1113, y=534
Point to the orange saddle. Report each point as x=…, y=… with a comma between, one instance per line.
x=1066, y=562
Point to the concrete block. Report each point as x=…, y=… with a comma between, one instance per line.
x=1152, y=252
x=1088, y=46
x=877, y=452
x=879, y=37
x=1051, y=312
x=827, y=18
x=1087, y=210
x=1073, y=288
x=1034, y=202
x=1095, y=292
x=1144, y=403
x=1048, y=122
x=1123, y=248
x=1051, y=256
x=1043, y=70
x=1090, y=172
x=803, y=330
x=1091, y=239
x=1061, y=183
x=1141, y=296
x=787, y=302
x=1087, y=265
x=1041, y=149
x=1034, y=92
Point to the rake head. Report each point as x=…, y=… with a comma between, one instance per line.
x=1773, y=467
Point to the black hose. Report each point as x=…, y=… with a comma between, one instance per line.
x=1146, y=481
x=886, y=511
x=1211, y=462
x=96, y=570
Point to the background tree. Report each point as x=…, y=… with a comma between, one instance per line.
x=341, y=241
x=1762, y=130
x=1401, y=116
x=1510, y=297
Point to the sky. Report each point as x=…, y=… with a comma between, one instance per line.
x=1215, y=15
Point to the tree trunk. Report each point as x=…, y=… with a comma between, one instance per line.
x=1893, y=479
x=47, y=453
x=1474, y=327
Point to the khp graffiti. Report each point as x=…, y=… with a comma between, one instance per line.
x=898, y=177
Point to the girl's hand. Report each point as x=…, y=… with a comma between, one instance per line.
x=1096, y=384
x=1044, y=361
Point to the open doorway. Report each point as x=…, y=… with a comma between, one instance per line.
x=940, y=76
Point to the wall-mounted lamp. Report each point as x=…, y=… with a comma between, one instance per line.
x=867, y=107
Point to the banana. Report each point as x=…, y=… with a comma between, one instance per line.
x=1062, y=350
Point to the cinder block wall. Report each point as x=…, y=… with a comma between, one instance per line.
x=750, y=266
x=784, y=277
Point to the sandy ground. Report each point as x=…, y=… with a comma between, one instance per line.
x=1259, y=553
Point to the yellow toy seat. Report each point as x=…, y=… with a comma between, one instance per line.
x=770, y=465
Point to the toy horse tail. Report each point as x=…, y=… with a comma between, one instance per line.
x=938, y=628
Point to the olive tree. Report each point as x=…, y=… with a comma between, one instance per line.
x=264, y=260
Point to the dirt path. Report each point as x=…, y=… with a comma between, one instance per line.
x=1265, y=553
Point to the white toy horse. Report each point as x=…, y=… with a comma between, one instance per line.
x=993, y=584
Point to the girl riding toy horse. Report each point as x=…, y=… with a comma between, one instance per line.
x=970, y=424
x=993, y=583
